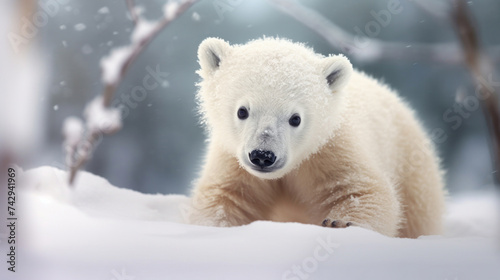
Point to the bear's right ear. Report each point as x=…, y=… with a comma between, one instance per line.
x=211, y=52
x=337, y=70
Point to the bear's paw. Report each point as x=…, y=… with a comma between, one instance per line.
x=336, y=223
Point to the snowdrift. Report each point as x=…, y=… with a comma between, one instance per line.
x=97, y=231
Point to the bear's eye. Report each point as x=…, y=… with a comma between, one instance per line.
x=242, y=113
x=294, y=120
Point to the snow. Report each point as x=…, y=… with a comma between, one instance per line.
x=142, y=30
x=170, y=9
x=80, y=27
x=100, y=118
x=111, y=65
x=72, y=130
x=103, y=10
x=195, y=16
x=94, y=230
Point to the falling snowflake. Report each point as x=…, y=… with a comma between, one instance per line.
x=196, y=16
x=80, y=27
x=103, y=10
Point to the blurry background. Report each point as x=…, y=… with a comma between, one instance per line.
x=161, y=146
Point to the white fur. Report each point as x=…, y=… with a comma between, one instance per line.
x=258, y=77
x=354, y=143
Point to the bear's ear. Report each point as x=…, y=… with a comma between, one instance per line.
x=337, y=71
x=211, y=52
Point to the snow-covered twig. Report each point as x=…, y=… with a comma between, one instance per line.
x=479, y=66
x=141, y=37
x=73, y=132
x=368, y=49
x=80, y=139
x=100, y=118
x=132, y=11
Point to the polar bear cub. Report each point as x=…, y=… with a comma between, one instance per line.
x=296, y=136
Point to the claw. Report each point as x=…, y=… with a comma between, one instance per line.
x=336, y=223
x=325, y=222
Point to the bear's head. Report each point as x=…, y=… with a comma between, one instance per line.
x=270, y=103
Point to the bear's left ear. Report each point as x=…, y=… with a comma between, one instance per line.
x=337, y=70
x=211, y=52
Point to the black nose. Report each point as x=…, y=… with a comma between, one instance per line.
x=262, y=158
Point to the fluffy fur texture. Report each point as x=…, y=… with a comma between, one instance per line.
x=359, y=156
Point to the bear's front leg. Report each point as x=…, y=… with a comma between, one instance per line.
x=230, y=202
x=368, y=203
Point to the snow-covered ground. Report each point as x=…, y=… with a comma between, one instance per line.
x=98, y=231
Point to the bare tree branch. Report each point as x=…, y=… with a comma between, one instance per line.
x=132, y=11
x=82, y=154
x=83, y=151
x=479, y=67
x=370, y=49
